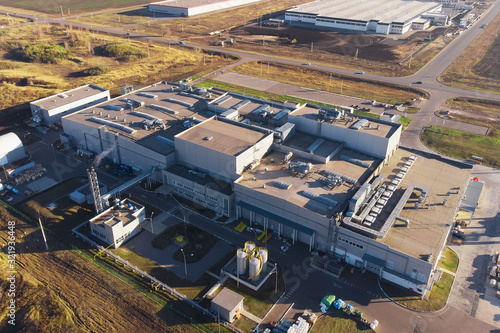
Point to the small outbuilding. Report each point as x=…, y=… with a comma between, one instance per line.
x=11, y=149
x=227, y=304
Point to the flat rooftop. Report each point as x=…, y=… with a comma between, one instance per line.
x=272, y=169
x=386, y=11
x=187, y=3
x=67, y=97
x=182, y=104
x=302, y=141
x=429, y=224
x=118, y=214
x=373, y=127
x=225, y=137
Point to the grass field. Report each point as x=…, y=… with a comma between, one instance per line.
x=73, y=6
x=435, y=301
x=337, y=321
x=477, y=68
x=463, y=145
x=475, y=107
x=23, y=82
x=335, y=83
x=115, y=19
x=450, y=260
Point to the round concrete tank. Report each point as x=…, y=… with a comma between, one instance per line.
x=249, y=246
x=262, y=251
x=254, y=267
x=241, y=262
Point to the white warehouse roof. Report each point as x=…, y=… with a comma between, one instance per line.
x=11, y=148
x=365, y=10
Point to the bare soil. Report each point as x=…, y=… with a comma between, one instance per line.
x=370, y=47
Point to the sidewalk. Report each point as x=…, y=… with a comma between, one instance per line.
x=446, y=271
x=251, y=316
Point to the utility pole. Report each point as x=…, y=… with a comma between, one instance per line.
x=151, y=220
x=341, y=86
x=312, y=46
x=43, y=233
x=62, y=13
x=356, y=55
x=276, y=286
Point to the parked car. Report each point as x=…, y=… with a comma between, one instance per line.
x=360, y=72
x=306, y=63
x=418, y=82
x=182, y=42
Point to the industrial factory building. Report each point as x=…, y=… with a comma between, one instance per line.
x=194, y=7
x=49, y=110
x=326, y=177
x=378, y=16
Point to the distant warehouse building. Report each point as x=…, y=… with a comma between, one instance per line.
x=379, y=16
x=194, y=7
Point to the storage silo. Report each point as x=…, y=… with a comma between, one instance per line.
x=262, y=251
x=254, y=267
x=249, y=247
x=241, y=262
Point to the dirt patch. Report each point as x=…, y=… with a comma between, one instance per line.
x=489, y=66
x=370, y=47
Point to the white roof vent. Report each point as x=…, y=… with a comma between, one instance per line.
x=208, y=138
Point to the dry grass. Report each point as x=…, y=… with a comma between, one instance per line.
x=69, y=7
x=477, y=68
x=163, y=63
x=475, y=106
x=115, y=19
x=6, y=21
x=314, y=79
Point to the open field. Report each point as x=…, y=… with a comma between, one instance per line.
x=6, y=21
x=335, y=83
x=478, y=67
x=116, y=19
x=23, y=82
x=463, y=145
x=61, y=290
x=450, y=260
x=337, y=321
x=73, y=6
x=434, y=301
x=470, y=109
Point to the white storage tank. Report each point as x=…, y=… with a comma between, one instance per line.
x=241, y=262
x=254, y=267
x=262, y=251
x=249, y=246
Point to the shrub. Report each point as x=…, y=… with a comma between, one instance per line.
x=124, y=51
x=95, y=71
x=51, y=53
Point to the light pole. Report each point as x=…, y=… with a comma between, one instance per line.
x=185, y=265
x=276, y=285
x=151, y=219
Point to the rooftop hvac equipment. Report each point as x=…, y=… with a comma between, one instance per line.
x=192, y=119
x=333, y=173
x=153, y=124
x=112, y=124
x=163, y=108
x=281, y=114
x=315, y=145
x=134, y=103
x=331, y=181
x=146, y=115
x=223, y=99
x=198, y=174
x=245, y=121
x=187, y=124
x=192, y=95
x=63, y=95
x=176, y=101
x=355, y=161
x=300, y=167
x=288, y=157
x=113, y=107
x=144, y=94
x=282, y=185
x=360, y=123
x=261, y=109
x=165, y=140
x=241, y=262
x=324, y=114
x=241, y=104
x=328, y=202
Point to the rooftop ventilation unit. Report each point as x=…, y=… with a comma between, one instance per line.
x=112, y=124
x=260, y=109
x=208, y=138
x=134, y=103
x=144, y=94
x=360, y=123
x=165, y=140
x=222, y=100
x=153, y=123
x=114, y=107
x=315, y=145
x=282, y=185
x=288, y=157
x=300, y=167
x=163, y=108
x=319, y=198
x=281, y=114
x=355, y=161
x=63, y=95
x=146, y=115
x=241, y=104
x=197, y=173
x=336, y=174
x=192, y=96
x=176, y=101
